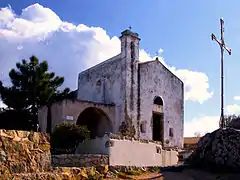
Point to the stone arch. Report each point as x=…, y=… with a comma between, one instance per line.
x=96, y=120
x=158, y=101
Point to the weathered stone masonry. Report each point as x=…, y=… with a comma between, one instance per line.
x=157, y=80
x=79, y=160
x=24, y=152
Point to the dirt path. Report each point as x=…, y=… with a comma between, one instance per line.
x=192, y=174
x=188, y=174
x=145, y=176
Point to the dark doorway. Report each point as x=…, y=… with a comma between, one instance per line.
x=158, y=128
x=96, y=121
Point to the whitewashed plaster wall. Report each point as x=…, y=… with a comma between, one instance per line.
x=157, y=80
x=94, y=146
x=140, y=154
x=134, y=153
x=129, y=152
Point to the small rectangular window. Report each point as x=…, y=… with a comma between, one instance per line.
x=143, y=127
x=171, y=132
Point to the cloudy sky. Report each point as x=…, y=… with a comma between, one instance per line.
x=75, y=35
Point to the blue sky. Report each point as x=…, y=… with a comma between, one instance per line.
x=181, y=28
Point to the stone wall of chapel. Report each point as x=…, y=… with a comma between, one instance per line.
x=157, y=80
x=103, y=83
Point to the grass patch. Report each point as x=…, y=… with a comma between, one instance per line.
x=128, y=173
x=155, y=169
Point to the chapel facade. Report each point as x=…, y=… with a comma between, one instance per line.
x=123, y=89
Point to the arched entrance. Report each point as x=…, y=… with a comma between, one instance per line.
x=158, y=101
x=157, y=119
x=96, y=120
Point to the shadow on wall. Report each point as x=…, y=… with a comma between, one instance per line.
x=96, y=120
x=94, y=146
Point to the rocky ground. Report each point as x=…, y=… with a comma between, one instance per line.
x=196, y=174
x=77, y=174
x=22, y=154
x=218, y=151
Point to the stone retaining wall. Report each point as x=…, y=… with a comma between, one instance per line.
x=24, y=152
x=79, y=160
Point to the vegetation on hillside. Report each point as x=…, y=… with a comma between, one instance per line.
x=232, y=121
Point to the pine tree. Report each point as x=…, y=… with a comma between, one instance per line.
x=33, y=86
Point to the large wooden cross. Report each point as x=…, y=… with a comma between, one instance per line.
x=222, y=47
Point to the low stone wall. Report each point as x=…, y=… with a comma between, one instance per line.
x=24, y=152
x=79, y=160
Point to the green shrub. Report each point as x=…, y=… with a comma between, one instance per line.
x=127, y=129
x=66, y=136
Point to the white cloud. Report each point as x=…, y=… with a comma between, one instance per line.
x=6, y=15
x=233, y=109
x=71, y=48
x=196, y=84
x=237, y=98
x=201, y=125
x=206, y=124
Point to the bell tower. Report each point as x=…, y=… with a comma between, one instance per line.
x=130, y=45
x=130, y=59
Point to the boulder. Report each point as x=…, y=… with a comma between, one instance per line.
x=219, y=150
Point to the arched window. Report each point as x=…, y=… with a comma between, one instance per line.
x=158, y=101
x=98, y=83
